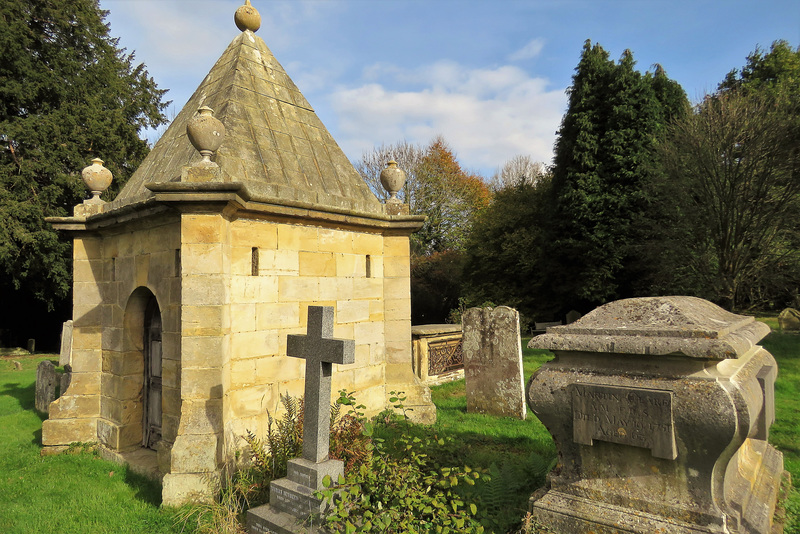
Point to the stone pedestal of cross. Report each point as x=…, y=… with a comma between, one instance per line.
x=292, y=498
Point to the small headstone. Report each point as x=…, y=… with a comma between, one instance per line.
x=31, y=346
x=291, y=499
x=66, y=344
x=493, y=362
x=45, y=386
x=17, y=365
x=573, y=316
x=541, y=327
x=789, y=320
x=65, y=379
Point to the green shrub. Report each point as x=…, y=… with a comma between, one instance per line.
x=401, y=493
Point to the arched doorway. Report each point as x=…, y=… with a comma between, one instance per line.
x=151, y=393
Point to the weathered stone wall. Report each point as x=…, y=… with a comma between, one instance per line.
x=114, y=277
x=295, y=267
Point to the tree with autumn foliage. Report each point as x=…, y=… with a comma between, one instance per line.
x=436, y=186
x=450, y=198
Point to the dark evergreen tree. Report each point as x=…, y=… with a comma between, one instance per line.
x=604, y=159
x=68, y=94
x=505, y=250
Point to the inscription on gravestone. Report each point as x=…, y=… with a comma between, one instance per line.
x=628, y=416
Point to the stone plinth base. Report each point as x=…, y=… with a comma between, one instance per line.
x=758, y=488
x=568, y=514
x=269, y=520
x=293, y=507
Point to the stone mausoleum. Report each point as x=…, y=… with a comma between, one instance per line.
x=188, y=283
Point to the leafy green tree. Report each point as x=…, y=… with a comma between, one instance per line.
x=68, y=94
x=776, y=71
x=604, y=158
x=505, y=250
x=732, y=187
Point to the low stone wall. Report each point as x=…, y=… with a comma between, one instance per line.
x=436, y=353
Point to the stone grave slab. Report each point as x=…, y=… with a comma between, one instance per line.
x=65, y=355
x=45, y=386
x=493, y=362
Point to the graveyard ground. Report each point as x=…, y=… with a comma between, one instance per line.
x=82, y=494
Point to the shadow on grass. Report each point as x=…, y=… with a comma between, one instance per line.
x=25, y=396
x=145, y=489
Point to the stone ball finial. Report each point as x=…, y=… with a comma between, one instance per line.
x=96, y=178
x=205, y=132
x=247, y=17
x=393, y=178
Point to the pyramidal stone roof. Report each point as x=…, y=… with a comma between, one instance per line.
x=275, y=145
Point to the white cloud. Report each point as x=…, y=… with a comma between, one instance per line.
x=529, y=51
x=487, y=115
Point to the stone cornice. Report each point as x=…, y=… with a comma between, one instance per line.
x=233, y=200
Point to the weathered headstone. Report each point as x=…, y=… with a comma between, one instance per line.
x=573, y=316
x=65, y=380
x=291, y=499
x=17, y=365
x=789, y=320
x=45, y=386
x=31, y=345
x=660, y=408
x=493, y=362
x=65, y=356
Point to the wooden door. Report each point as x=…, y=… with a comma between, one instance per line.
x=151, y=419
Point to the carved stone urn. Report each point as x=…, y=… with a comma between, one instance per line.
x=247, y=17
x=205, y=133
x=393, y=178
x=96, y=178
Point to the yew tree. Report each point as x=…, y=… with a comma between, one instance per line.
x=604, y=159
x=68, y=94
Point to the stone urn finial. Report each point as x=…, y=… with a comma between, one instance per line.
x=205, y=133
x=247, y=17
x=97, y=179
x=393, y=178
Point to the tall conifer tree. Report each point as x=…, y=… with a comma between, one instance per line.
x=68, y=94
x=604, y=157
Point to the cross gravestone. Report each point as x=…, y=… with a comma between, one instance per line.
x=291, y=499
x=493, y=362
x=45, y=386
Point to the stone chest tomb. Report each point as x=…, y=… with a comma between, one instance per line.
x=188, y=283
x=660, y=409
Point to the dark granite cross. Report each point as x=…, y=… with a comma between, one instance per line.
x=320, y=350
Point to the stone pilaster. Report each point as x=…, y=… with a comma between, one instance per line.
x=196, y=456
x=73, y=416
x=397, y=331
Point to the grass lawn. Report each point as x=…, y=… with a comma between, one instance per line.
x=70, y=493
x=81, y=493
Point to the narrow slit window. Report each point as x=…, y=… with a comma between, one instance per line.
x=113, y=269
x=254, y=261
x=177, y=262
x=369, y=266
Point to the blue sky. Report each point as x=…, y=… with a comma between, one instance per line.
x=489, y=76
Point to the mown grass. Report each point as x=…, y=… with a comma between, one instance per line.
x=70, y=493
x=83, y=494
x=785, y=433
